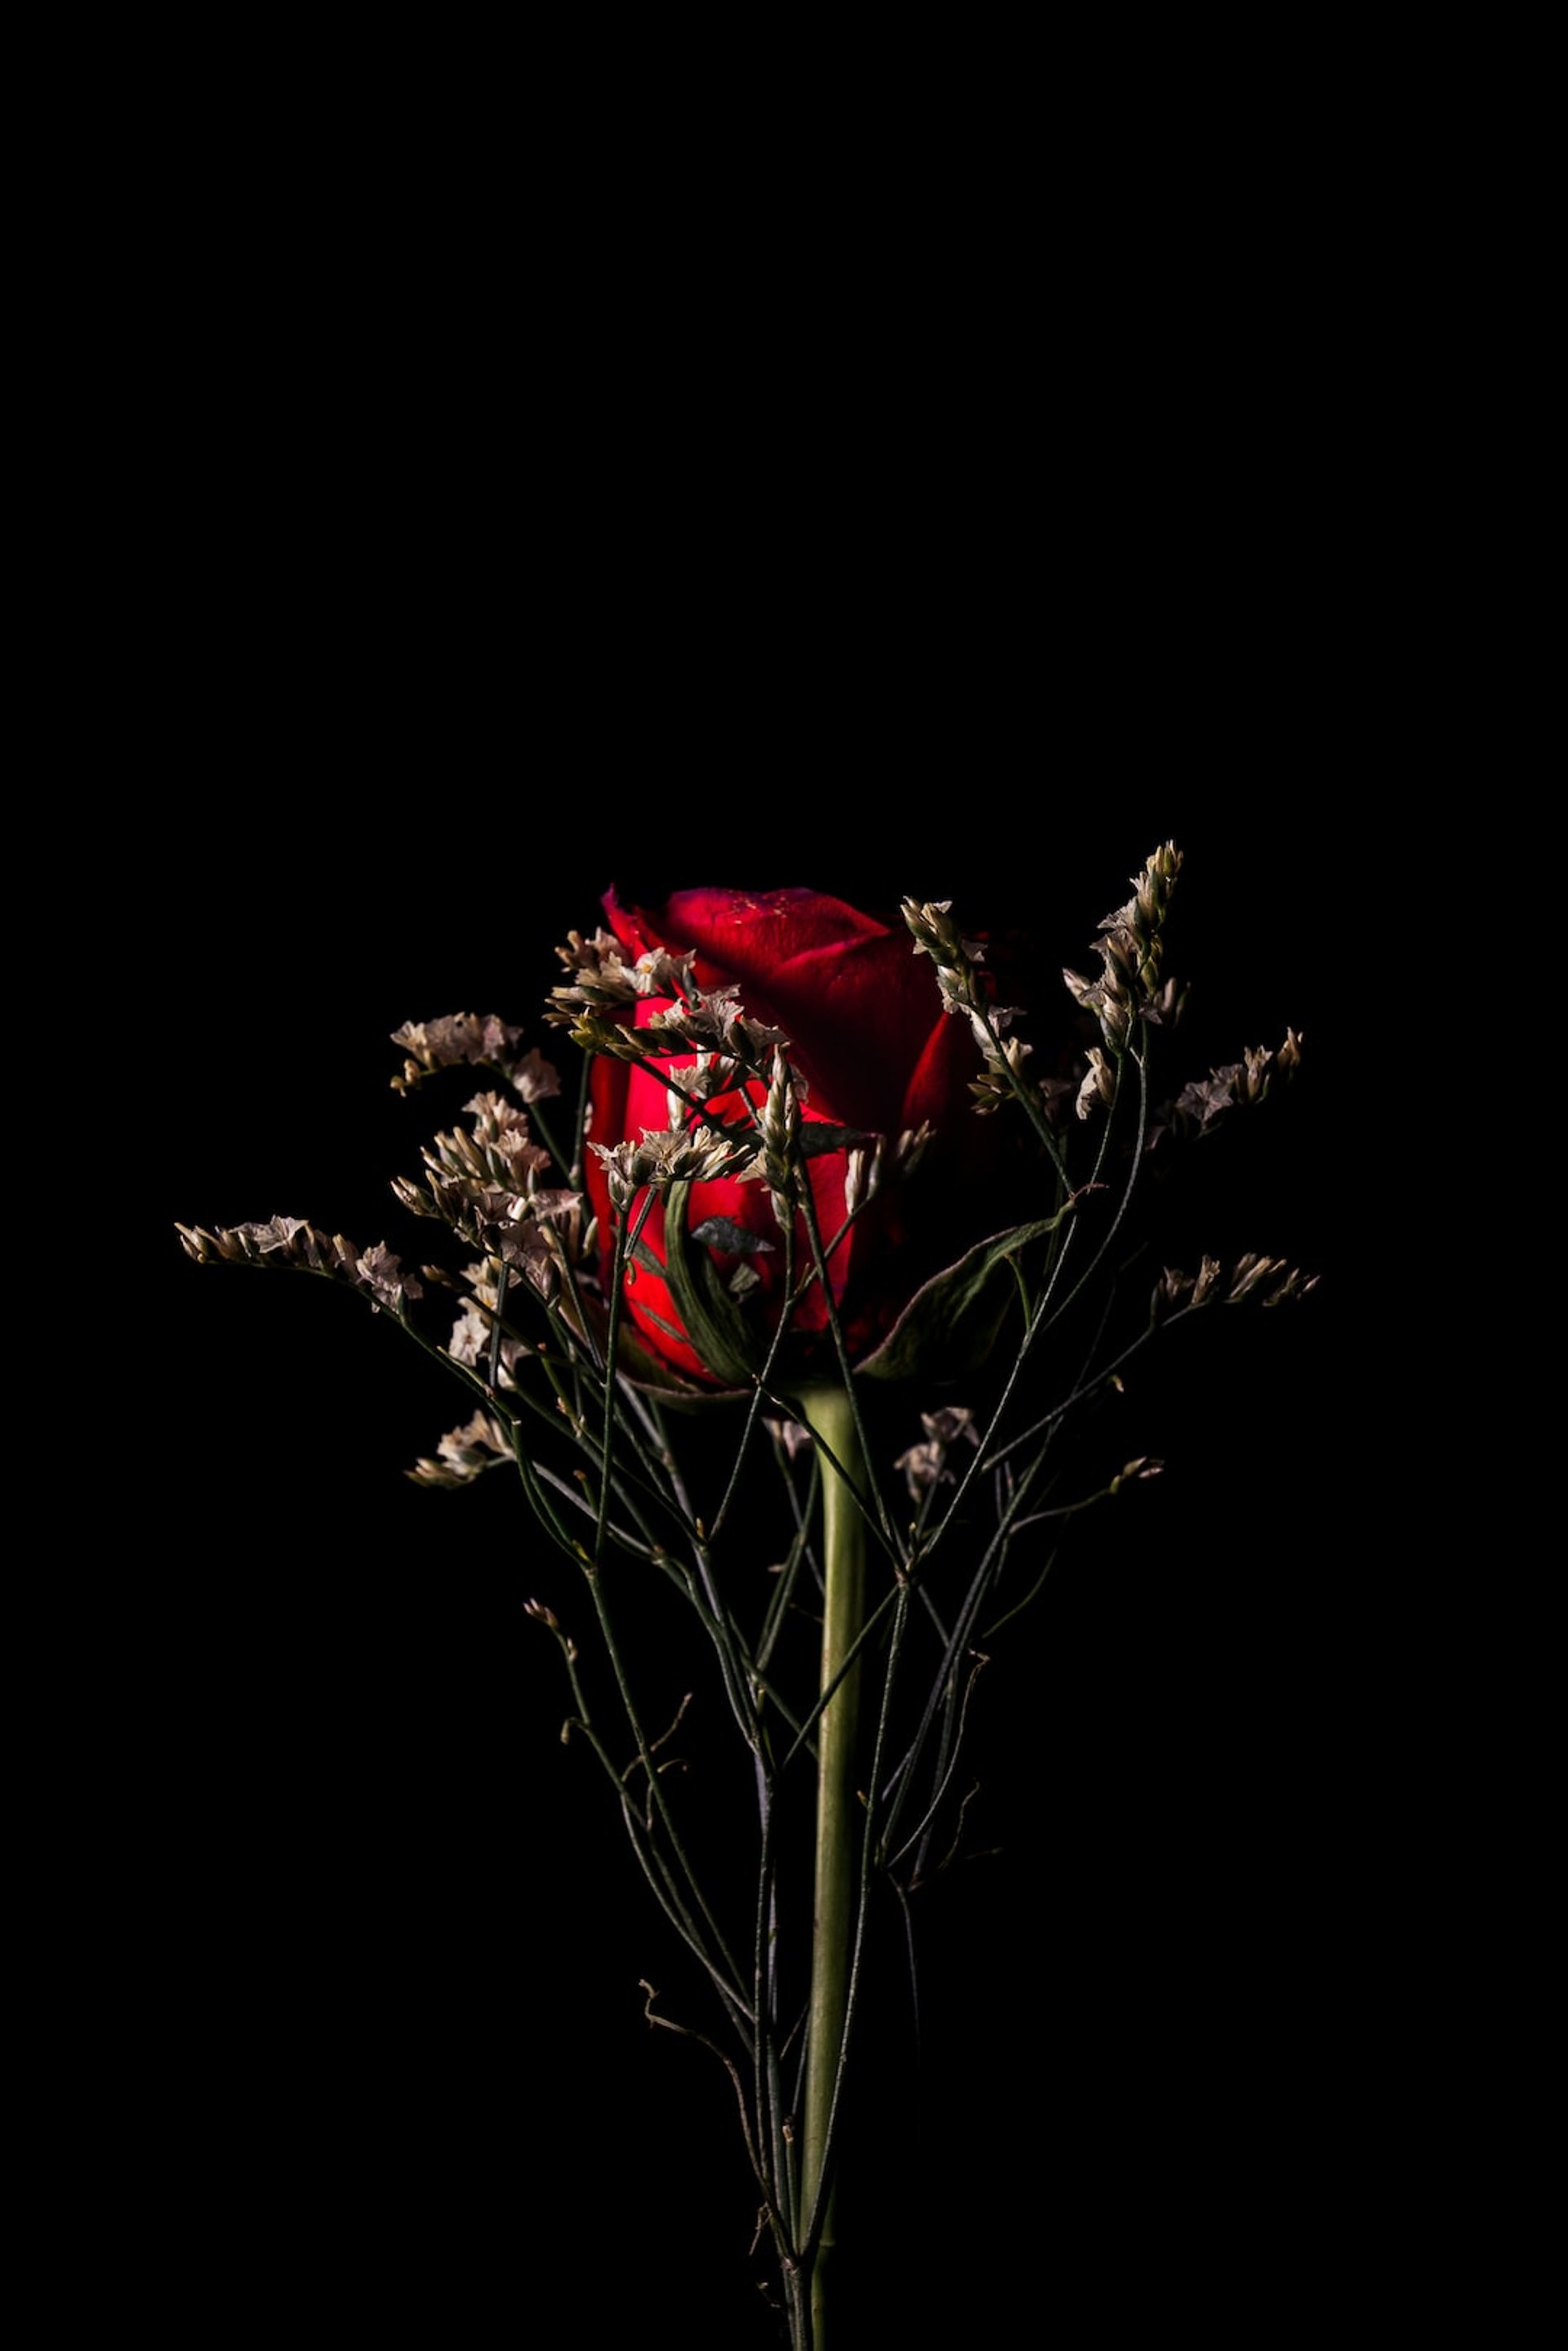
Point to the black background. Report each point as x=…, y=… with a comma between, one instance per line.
x=412, y=559
x=370, y=2015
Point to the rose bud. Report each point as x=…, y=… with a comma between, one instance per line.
x=871, y=1055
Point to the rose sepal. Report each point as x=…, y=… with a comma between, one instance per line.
x=716, y=1325
x=637, y=1363
x=952, y=1320
x=646, y=1370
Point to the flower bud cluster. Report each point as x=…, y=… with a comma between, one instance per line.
x=1129, y=985
x=963, y=991
x=911, y=1149
x=464, y=1454
x=484, y=1184
x=1100, y=1084
x=464, y=1037
x=779, y=1125
x=863, y=1165
x=703, y=1022
x=537, y=1237
x=1134, y=1473
x=934, y=933
x=1239, y=1084
x=1003, y=1074
x=662, y=1158
x=602, y=985
x=710, y=1075
x=603, y=982
x=594, y=1034
x=470, y=1208
x=606, y=986
x=1165, y=1008
x=500, y=1151
x=1267, y=1280
x=925, y=1465
x=473, y=1342
x=660, y=973
x=552, y=1622
x=520, y=1227
x=792, y=1436
x=289, y=1240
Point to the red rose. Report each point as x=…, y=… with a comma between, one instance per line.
x=879, y=1057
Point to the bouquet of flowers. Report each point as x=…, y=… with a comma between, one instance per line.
x=795, y=1304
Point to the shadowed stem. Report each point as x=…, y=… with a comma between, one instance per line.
x=830, y=1414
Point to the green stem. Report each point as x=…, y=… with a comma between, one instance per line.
x=830, y=1414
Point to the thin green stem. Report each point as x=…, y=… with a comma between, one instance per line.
x=1045, y=1313
x=784, y=1592
x=830, y=1413
x=854, y=1433
x=761, y=1388
x=563, y=1163
x=869, y=1627
x=730, y=1979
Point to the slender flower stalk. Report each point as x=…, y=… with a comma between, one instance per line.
x=830, y=1414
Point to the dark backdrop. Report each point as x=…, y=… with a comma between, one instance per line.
x=403, y=573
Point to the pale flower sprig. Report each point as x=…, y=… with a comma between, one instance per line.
x=1131, y=954
x=704, y=1021
x=1238, y=1085
x=466, y=1036
x=1266, y=1280
x=962, y=990
x=290, y=1240
x=464, y=1454
x=662, y=1158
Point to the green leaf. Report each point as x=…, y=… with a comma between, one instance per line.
x=950, y=1324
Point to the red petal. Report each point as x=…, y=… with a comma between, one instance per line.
x=939, y=1084
x=858, y=1004
x=607, y=1123
x=749, y=933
